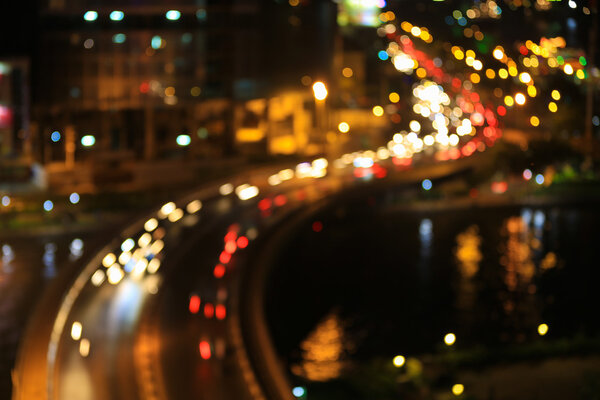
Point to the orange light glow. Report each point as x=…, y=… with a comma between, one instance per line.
x=231, y=246
x=219, y=271
x=194, y=304
x=209, y=310
x=205, y=351
x=225, y=257
x=242, y=242
x=317, y=226
x=220, y=312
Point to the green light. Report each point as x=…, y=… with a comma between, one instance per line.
x=119, y=38
x=560, y=60
x=90, y=15
x=582, y=61
x=156, y=42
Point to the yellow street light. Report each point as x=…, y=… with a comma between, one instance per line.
x=498, y=53
x=449, y=339
x=343, y=127
x=319, y=90
x=458, y=389
x=525, y=77
x=398, y=361
x=378, y=111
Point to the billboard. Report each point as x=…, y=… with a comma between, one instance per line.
x=360, y=12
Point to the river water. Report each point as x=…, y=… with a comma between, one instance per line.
x=28, y=264
x=375, y=282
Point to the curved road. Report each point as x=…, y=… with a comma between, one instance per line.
x=156, y=314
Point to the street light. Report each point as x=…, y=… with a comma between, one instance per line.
x=320, y=93
x=319, y=90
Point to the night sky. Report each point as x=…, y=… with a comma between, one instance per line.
x=18, y=21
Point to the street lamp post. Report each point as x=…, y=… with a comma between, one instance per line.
x=320, y=93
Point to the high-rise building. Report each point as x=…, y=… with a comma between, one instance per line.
x=14, y=106
x=125, y=78
x=132, y=75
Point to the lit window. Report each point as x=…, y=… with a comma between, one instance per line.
x=173, y=15
x=90, y=16
x=117, y=15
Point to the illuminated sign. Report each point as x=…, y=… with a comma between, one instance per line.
x=360, y=12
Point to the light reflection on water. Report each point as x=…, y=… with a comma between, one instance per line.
x=27, y=265
x=49, y=260
x=493, y=277
x=519, y=301
x=323, y=351
x=426, y=239
x=426, y=236
x=468, y=254
x=7, y=256
x=75, y=249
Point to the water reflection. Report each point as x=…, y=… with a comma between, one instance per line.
x=516, y=257
x=515, y=253
x=426, y=234
x=468, y=256
x=538, y=219
x=426, y=239
x=501, y=278
x=49, y=260
x=7, y=256
x=323, y=351
x=526, y=216
x=75, y=249
x=467, y=251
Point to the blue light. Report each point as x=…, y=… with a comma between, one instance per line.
x=117, y=15
x=48, y=205
x=173, y=15
x=449, y=20
x=76, y=244
x=383, y=55
x=119, y=38
x=298, y=391
x=55, y=136
x=186, y=38
x=539, y=218
x=426, y=184
x=184, y=140
x=128, y=267
x=539, y=179
x=201, y=14
x=75, y=92
x=462, y=21
x=88, y=140
x=425, y=227
x=74, y=198
x=526, y=215
x=127, y=244
x=5, y=201
x=90, y=16
x=156, y=42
